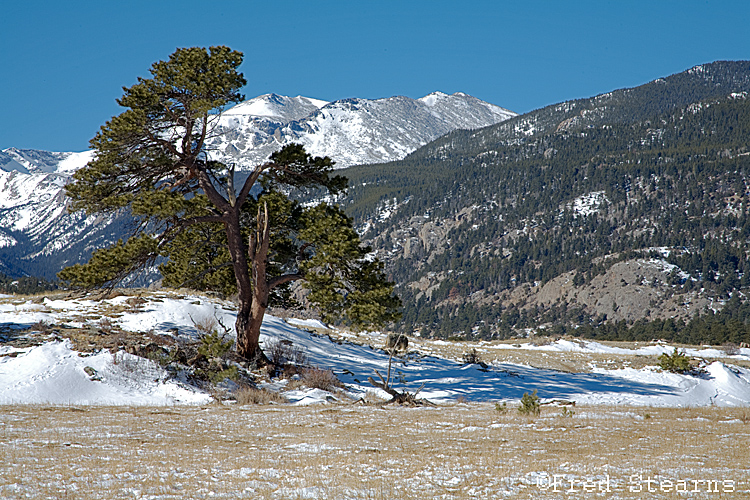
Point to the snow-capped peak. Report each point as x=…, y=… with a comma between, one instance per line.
x=351, y=131
x=43, y=162
x=35, y=223
x=276, y=107
x=431, y=99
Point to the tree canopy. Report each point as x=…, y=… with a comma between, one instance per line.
x=248, y=237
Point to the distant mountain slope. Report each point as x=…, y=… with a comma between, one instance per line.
x=36, y=162
x=624, y=207
x=706, y=81
x=351, y=131
x=38, y=236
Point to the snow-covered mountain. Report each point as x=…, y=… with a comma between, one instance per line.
x=350, y=131
x=37, y=233
x=32, y=161
x=38, y=236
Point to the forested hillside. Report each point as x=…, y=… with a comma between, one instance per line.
x=591, y=216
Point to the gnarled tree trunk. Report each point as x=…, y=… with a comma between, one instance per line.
x=253, y=294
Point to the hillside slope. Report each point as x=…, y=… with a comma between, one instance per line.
x=624, y=207
x=44, y=367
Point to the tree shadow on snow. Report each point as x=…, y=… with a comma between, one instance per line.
x=353, y=363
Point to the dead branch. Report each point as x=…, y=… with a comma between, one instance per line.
x=400, y=398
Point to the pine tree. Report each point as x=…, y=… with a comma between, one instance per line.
x=152, y=160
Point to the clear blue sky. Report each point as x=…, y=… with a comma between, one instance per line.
x=63, y=64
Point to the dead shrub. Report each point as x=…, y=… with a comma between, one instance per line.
x=206, y=325
x=317, y=378
x=41, y=326
x=283, y=353
x=294, y=384
x=539, y=341
x=730, y=349
x=105, y=325
x=472, y=357
x=136, y=303
x=253, y=396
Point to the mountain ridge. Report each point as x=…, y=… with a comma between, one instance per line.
x=352, y=131
x=38, y=236
x=680, y=89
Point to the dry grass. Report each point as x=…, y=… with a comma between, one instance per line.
x=360, y=452
x=254, y=396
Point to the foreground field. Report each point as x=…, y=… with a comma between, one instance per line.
x=362, y=452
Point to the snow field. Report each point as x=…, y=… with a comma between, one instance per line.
x=586, y=372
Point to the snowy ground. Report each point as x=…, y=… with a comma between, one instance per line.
x=54, y=373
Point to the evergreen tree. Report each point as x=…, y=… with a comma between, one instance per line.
x=151, y=159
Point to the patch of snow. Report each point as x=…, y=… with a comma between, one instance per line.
x=588, y=204
x=54, y=373
x=431, y=99
x=312, y=323
x=7, y=240
x=74, y=162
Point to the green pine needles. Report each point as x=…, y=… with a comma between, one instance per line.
x=677, y=362
x=215, y=234
x=530, y=405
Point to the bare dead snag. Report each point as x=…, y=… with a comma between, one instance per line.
x=400, y=398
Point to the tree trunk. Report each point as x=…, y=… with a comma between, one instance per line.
x=250, y=318
x=247, y=342
x=253, y=295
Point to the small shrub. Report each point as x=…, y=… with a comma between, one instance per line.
x=730, y=349
x=206, y=325
x=218, y=376
x=136, y=303
x=41, y=326
x=567, y=412
x=317, y=378
x=396, y=342
x=530, y=404
x=540, y=341
x=676, y=362
x=209, y=362
x=472, y=358
x=159, y=357
x=501, y=408
x=214, y=345
x=253, y=396
x=105, y=325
